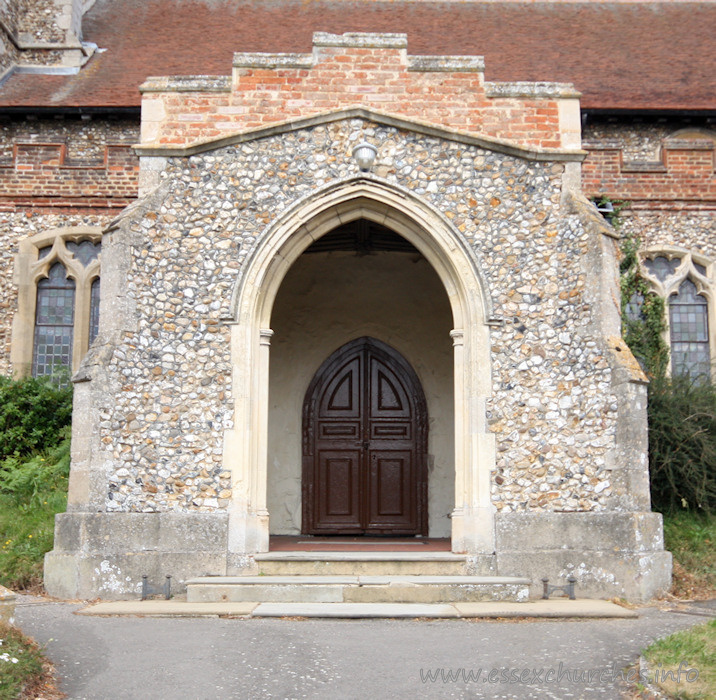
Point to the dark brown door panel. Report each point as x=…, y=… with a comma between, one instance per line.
x=365, y=443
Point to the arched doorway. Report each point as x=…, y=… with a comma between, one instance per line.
x=310, y=218
x=365, y=444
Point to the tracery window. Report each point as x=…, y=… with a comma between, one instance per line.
x=54, y=321
x=58, y=277
x=685, y=280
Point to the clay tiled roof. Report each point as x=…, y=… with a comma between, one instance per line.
x=620, y=55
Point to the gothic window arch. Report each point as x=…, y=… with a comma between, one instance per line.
x=685, y=280
x=58, y=277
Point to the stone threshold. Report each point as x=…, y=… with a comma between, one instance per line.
x=556, y=609
x=309, y=543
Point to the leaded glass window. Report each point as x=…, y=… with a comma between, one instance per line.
x=661, y=267
x=688, y=322
x=94, y=310
x=634, y=306
x=54, y=322
x=84, y=251
x=673, y=275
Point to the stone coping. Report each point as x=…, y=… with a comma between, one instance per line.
x=446, y=64
x=186, y=83
x=273, y=60
x=361, y=40
x=531, y=90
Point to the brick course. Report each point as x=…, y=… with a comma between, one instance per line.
x=40, y=174
x=684, y=175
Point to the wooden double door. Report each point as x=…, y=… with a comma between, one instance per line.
x=365, y=445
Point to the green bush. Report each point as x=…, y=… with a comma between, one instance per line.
x=682, y=444
x=32, y=414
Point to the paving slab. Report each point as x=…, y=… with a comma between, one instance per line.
x=560, y=608
x=167, y=608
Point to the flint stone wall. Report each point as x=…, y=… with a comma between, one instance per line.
x=693, y=230
x=85, y=142
x=47, y=21
x=165, y=395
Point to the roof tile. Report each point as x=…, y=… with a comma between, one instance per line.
x=620, y=55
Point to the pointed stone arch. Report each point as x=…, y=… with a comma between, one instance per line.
x=245, y=445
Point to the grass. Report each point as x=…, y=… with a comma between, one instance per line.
x=692, y=651
x=27, y=533
x=32, y=492
x=691, y=538
x=24, y=670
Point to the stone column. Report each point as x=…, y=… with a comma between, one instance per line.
x=472, y=517
x=260, y=472
x=459, y=540
x=246, y=447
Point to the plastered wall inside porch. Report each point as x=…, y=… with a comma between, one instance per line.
x=328, y=299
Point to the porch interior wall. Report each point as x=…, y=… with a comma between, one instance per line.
x=328, y=299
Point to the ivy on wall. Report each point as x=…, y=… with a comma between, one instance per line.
x=643, y=314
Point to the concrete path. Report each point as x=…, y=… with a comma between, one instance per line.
x=112, y=658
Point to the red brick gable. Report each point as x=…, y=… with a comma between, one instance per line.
x=369, y=71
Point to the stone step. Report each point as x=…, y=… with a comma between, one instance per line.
x=357, y=589
x=298, y=563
